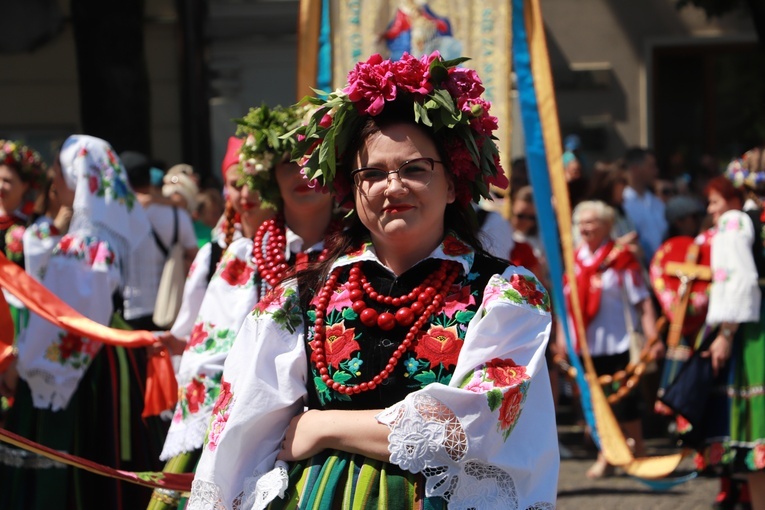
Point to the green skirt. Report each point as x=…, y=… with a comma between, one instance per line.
x=341, y=480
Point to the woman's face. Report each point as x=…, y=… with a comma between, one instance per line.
x=12, y=189
x=524, y=217
x=242, y=198
x=592, y=229
x=65, y=195
x=718, y=205
x=404, y=216
x=297, y=196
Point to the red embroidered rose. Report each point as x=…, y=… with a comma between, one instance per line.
x=195, y=395
x=439, y=345
x=715, y=452
x=759, y=456
x=65, y=244
x=459, y=300
x=453, y=246
x=699, y=461
x=225, y=396
x=69, y=345
x=506, y=372
x=93, y=183
x=273, y=295
x=339, y=345
x=510, y=409
x=236, y=272
x=198, y=335
x=526, y=287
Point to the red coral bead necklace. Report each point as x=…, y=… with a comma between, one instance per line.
x=414, y=309
x=269, y=254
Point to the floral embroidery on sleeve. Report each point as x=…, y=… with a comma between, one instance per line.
x=109, y=181
x=206, y=338
x=506, y=385
x=14, y=246
x=94, y=252
x=235, y=271
x=71, y=350
x=220, y=415
x=202, y=392
x=521, y=289
x=283, y=306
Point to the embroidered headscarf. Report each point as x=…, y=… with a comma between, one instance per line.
x=232, y=154
x=102, y=196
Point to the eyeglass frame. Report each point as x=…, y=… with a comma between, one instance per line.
x=388, y=173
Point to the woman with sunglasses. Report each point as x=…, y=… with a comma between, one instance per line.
x=407, y=369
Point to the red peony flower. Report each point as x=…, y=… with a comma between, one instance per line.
x=93, y=183
x=439, y=345
x=412, y=74
x=510, y=409
x=464, y=85
x=370, y=84
x=526, y=287
x=65, y=244
x=453, y=246
x=236, y=272
x=506, y=372
x=339, y=344
x=198, y=335
x=225, y=396
x=195, y=395
x=273, y=295
x=69, y=344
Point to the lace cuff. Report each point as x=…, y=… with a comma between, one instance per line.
x=259, y=490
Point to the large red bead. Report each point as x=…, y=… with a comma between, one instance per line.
x=356, y=294
x=417, y=307
x=405, y=316
x=386, y=321
x=368, y=317
x=358, y=306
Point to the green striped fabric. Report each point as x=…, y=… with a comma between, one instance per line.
x=341, y=480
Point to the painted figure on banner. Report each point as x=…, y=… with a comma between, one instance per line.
x=418, y=30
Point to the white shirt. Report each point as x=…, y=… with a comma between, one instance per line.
x=607, y=333
x=646, y=212
x=145, y=269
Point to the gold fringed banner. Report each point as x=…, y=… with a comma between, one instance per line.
x=309, y=23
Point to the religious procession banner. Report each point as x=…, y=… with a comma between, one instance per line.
x=352, y=30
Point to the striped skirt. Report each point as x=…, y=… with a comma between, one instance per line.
x=341, y=480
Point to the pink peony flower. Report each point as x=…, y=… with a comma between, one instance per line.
x=413, y=75
x=370, y=84
x=464, y=84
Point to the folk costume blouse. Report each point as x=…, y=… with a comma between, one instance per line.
x=468, y=405
x=84, y=269
x=233, y=291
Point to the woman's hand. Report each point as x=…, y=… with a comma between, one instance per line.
x=174, y=345
x=719, y=351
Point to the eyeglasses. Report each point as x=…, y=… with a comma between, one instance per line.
x=527, y=217
x=414, y=174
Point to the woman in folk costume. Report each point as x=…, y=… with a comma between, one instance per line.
x=73, y=394
x=240, y=204
x=420, y=358
x=614, y=300
x=21, y=172
x=249, y=267
x=736, y=307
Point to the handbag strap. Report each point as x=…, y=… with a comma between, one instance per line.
x=164, y=249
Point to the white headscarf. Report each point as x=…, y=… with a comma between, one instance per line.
x=102, y=196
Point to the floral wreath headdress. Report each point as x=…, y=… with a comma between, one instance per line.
x=446, y=99
x=27, y=160
x=748, y=170
x=264, y=145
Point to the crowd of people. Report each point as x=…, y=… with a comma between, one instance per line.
x=360, y=325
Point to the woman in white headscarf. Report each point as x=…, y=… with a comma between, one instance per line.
x=73, y=394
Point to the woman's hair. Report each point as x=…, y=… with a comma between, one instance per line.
x=459, y=219
x=605, y=177
x=725, y=188
x=229, y=223
x=603, y=211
